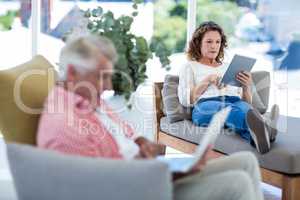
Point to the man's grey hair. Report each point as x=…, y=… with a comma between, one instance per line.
x=83, y=53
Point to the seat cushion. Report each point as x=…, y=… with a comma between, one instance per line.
x=48, y=175
x=177, y=112
x=23, y=91
x=283, y=157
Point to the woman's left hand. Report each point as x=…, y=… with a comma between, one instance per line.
x=245, y=79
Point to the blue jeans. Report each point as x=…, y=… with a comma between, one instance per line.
x=206, y=108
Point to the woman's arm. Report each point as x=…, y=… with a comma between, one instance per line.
x=198, y=90
x=247, y=95
x=188, y=92
x=186, y=85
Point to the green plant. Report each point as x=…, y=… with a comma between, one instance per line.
x=170, y=24
x=7, y=20
x=225, y=13
x=170, y=19
x=133, y=51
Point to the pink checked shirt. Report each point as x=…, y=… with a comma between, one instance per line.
x=69, y=125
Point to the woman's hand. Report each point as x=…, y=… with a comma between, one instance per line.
x=213, y=79
x=245, y=79
x=202, y=87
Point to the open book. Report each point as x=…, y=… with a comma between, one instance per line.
x=184, y=164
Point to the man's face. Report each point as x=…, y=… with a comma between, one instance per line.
x=93, y=83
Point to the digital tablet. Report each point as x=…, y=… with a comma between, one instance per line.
x=184, y=164
x=238, y=64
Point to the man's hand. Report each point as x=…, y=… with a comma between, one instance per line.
x=197, y=167
x=148, y=149
x=202, y=162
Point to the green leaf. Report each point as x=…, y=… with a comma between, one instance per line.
x=134, y=14
x=138, y=1
x=126, y=22
x=135, y=6
x=90, y=25
x=97, y=12
x=87, y=13
x=141, y=44
x=7, y=20
x=108, y=23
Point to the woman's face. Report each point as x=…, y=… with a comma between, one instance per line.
x=211, y=44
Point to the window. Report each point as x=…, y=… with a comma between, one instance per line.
x=60, y=18
x=170, y=21
x=15, y=39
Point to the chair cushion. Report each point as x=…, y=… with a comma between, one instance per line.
x=172, y=107
x=177, y=112
x=48, y=175
x=283, y=157
x=23, y=91
x=261, y=90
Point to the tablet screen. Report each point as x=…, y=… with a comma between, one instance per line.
x=238, y=64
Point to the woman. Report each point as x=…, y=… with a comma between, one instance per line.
x=199, y=87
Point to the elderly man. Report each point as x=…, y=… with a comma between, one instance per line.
x=76, y=121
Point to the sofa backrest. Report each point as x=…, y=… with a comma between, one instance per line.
x=23, y=92
x=48, y=175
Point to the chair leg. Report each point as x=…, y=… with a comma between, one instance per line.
x=162, y=149
x=291, y=188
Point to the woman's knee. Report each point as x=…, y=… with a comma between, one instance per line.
x=237, y=116
x=208, y=107
x=203, y=112
x=242, y=106
x=200, y=119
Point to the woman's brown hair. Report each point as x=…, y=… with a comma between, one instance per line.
x=194, y=50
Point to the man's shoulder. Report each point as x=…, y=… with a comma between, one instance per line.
x=54, y=110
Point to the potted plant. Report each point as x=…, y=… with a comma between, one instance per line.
x=7, y=20
x=133, y=51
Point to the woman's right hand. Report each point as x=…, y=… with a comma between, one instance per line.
x=213, y=79
x=201, y=88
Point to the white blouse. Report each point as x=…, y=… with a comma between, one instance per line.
x=192, y=73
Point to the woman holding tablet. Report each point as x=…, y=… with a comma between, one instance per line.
x=199, y=87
